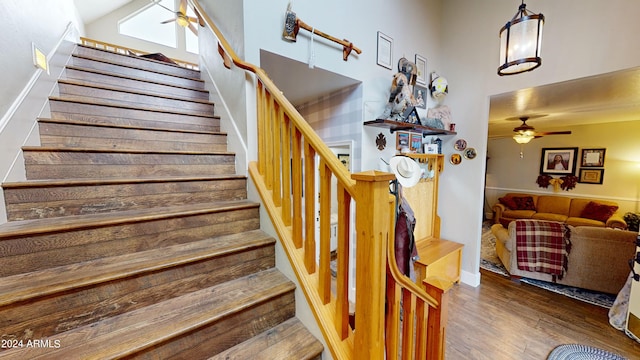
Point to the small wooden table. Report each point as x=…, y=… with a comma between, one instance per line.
x=438, y=257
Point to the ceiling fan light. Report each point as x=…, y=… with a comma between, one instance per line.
x=182, y=20
x=521, y=42
x=522, y=138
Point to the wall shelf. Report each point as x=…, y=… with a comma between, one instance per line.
x=403, y=126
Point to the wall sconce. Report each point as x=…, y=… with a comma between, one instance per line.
x=520, y=42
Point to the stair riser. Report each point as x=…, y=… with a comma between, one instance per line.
x=107, y=115
x=232, y=330
x=96, y=137
x=158, y=77
x=68, y=164
x=120, y=98
x=56, y=201
x=37, y=252
x=97, y=78
x=137, y=62
x=53, y=314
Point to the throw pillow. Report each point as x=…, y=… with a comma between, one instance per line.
x=508, y=202
x=524, y=203
x=600, y=212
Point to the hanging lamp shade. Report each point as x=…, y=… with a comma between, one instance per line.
x=520, y=42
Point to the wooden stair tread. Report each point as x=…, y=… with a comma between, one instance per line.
x=119, y=151
x=49, y=225
x=107, y=181
x=141, y=329
x=31, y=285
x=122, y=126
x=95, y=71
x=129, y=91
x=106, y=61
x=109, y=52
x=93, y=101
x=289, y=340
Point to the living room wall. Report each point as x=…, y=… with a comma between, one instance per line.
x=507, y=172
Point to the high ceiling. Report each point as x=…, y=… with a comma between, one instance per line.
x=93, y=9
x=610, y=97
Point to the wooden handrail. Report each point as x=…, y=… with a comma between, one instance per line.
x=126, y=50
x=284, y=175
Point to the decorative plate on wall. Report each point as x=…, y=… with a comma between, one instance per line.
x=470, y=153
x=455, y=159
x=460, y=144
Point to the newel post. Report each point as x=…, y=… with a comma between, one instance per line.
x=372, y=226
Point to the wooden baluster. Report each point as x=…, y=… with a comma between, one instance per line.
x=309, y=207
x=286, y=170
x=260, y=100
x=421, y=330
x=342, y=277
x=325, y=233
x=408, y=322
x=296, y=159
x=277, y=155
x=269, y=143
x=372, y=225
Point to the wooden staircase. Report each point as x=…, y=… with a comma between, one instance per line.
x=133, y=236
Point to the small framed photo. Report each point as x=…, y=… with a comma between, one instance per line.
x=558, y=161
x=420, y=94
x=403, y=140
x=416, y=142
x=385, y=51
x=591, y=176
x=430, y=148
x=592, y=158
x=421, y=64
x=344, y=159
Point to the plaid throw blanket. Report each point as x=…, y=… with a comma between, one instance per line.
x=543, y=246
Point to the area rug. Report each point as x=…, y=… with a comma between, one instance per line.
x=489, y=261
x=581, y=352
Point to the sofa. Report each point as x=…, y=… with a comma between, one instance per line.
x=571, y=211
x=598, y=259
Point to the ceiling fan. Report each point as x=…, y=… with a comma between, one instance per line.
x=181, y=16
x=525, y=132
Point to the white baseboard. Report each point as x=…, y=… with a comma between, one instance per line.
x=472, y=279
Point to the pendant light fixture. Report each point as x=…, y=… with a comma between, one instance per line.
x=520, y=42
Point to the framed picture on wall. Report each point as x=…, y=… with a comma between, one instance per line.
x=403, y=140
x=591, y=176
x=344, y=159
x=421, y=64
x=420, y=94
x=385, y=50
x=416, y=142
x=559, y=161
x=592, y=158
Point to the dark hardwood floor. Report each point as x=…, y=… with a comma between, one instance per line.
x=502, y=319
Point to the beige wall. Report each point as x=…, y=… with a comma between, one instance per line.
x=507, y=172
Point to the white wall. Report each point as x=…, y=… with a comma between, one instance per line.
x=23, y=22
x=52, y=27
